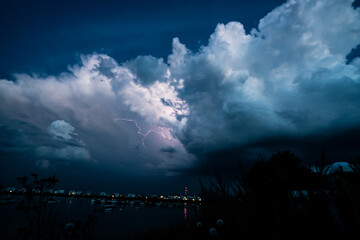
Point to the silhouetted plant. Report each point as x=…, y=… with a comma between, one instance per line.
x=279, y=199
x=79, y=230
x=321, y=167
x=41, y=219
x=262, y=202
x=355, y=164
x=320, y=179
x=240, y=187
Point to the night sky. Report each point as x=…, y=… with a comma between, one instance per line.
x=150, y=96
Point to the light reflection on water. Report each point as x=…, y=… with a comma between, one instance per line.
x=123, y=219
x=185, y=210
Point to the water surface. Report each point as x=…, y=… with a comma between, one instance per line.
x=126, y=221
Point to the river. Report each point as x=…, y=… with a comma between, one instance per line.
x=125, y=220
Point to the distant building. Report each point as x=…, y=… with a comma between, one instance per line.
x=191, y=198
x=89, y=193
x=183, y=197
x=300, y=193
x=131, y=195
x=21, y=190
x=60, y=191
x=10, y=189
x=72, y=192
x=117, y=194
x=36, y=190
x=102, y=194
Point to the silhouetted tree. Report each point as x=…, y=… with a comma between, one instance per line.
x=263, y=203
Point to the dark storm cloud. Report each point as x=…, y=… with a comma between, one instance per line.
x=148, y=69
x=68, y=153
x=338, y=146
x=13, y=140
x=168, y=149
x=288, y=78
x=67, y=145
x=62, y=144
x=243, y=93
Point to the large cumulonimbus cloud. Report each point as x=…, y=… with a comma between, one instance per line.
x=289, y=77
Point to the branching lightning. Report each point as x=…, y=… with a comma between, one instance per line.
x=163, y=130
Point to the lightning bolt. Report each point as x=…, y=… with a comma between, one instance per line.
x=144, y=135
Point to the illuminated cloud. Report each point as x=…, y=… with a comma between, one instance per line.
x=91, y=96
x=61, y=130
x=289, y=77
x=72, y=148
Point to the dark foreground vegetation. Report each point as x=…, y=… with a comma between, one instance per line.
x=42, y=219
x=275, y=199
x=278, y=199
